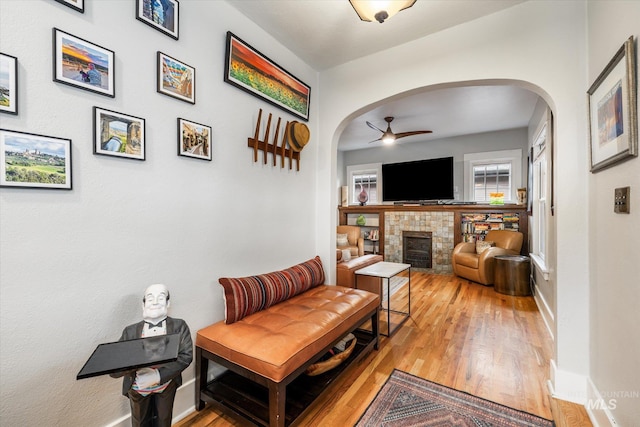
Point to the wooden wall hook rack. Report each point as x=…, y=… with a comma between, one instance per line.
x=266, y=148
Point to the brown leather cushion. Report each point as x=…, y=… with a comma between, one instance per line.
x=345, y=271
x=468, y=259
x=275, y=342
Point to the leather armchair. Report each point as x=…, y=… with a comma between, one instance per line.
x=479, y=268
x=356, y=242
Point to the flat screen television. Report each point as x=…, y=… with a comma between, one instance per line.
x=422, y=180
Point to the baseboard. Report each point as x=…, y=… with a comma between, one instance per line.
x=183, y=406
x=548, y=317
x=567, y=386
x=598, y=408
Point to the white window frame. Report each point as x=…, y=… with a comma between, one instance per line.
x=370, y=168
x=514, y=157
x=540, y=197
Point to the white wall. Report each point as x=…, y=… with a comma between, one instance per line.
x=613, y=244
x=74, y=263
x=538, y=45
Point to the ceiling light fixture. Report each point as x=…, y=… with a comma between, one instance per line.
x=379, y=10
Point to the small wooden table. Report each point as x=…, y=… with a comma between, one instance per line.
x=511, y=275
x=385, y=271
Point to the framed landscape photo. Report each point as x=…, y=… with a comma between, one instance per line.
x=249, y=70
x=160, y=14
x=74, y=4
x=194, y=140
x=34, y=161
x=8, y=84
x=119, y=135
x=613, y=118
x=176, y=79
x=79, y=63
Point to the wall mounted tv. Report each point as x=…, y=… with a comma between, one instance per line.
x=416, y=181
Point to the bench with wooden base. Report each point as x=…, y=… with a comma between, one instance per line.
x=267, y=352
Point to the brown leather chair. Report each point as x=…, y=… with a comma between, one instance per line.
x=356, y=242
x=479, y=268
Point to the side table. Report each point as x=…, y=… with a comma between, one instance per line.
x=511, y=275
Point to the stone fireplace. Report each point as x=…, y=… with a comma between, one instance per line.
x=438, y=223
x=416, y=248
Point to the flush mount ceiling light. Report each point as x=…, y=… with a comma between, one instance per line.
x=379, y=10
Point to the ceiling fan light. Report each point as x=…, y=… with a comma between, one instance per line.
x=379, y=10
x=388, y=139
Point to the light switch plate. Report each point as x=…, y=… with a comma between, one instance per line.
x=621, y=200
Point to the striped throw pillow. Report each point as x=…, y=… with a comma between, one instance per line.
x=246, y=295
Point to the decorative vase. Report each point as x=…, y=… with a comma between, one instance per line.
x=361, y=220
x=363, y=196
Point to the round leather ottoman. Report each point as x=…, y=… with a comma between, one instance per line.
x=511, y=275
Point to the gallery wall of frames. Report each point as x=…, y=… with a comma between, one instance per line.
x=34, y=160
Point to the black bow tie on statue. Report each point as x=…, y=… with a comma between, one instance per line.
x=151, y=325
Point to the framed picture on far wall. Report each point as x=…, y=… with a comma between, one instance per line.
x=34, y=161
x=8, y=84
x=79, y=63
x=194, y=140
x=613, y=119
x=119, y=135
x=176, y=79
x=249, y=70
x=160, y=14
x=74, y=4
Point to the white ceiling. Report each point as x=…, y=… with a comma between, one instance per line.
x=327, y=33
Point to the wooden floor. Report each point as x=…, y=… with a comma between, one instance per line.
x=460, y=334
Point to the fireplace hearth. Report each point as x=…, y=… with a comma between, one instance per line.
x=416, y=248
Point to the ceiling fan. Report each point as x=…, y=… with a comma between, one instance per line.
x=388, y=137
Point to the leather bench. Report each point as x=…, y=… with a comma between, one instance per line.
x=272, y=347
x=345, y=271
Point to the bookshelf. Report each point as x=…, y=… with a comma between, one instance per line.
x=475, y=225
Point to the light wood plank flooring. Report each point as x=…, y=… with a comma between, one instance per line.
x=460, y=334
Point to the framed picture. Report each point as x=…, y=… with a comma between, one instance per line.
x=194, y=140
x=83, y=64
x=34, y=161
x=613, y=119
x=74, y=4
x=8, y=84
x=249, y=70
x=117, y=134
x=176, y=78
x=160, y=14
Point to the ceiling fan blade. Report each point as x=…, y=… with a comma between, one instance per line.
x=415, y=132
x=372, y=126
x=375, y=140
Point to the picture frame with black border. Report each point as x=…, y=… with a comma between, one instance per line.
x=77, y=5
x=29, y=160
x=194, y=140
x=164, y=17
x=251, y=71
x=118, y=135
x=83, y=64
x=8, y=84
x=176, y=79
x=612, y=111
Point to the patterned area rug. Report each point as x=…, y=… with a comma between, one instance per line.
x=406, y=400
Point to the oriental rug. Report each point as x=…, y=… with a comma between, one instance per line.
x=406, y=400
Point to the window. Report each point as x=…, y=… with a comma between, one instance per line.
x=492, y=172
x=540, y=203
x=491, y=178
x=364, y=177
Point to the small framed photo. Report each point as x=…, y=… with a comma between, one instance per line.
x=34, y=161
x=74, y=4
x=176, y=79
x=118, y=135
x=613, y=119
x=160, y=14
x=8, y=84
x=79, y=63
x=194, y=140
